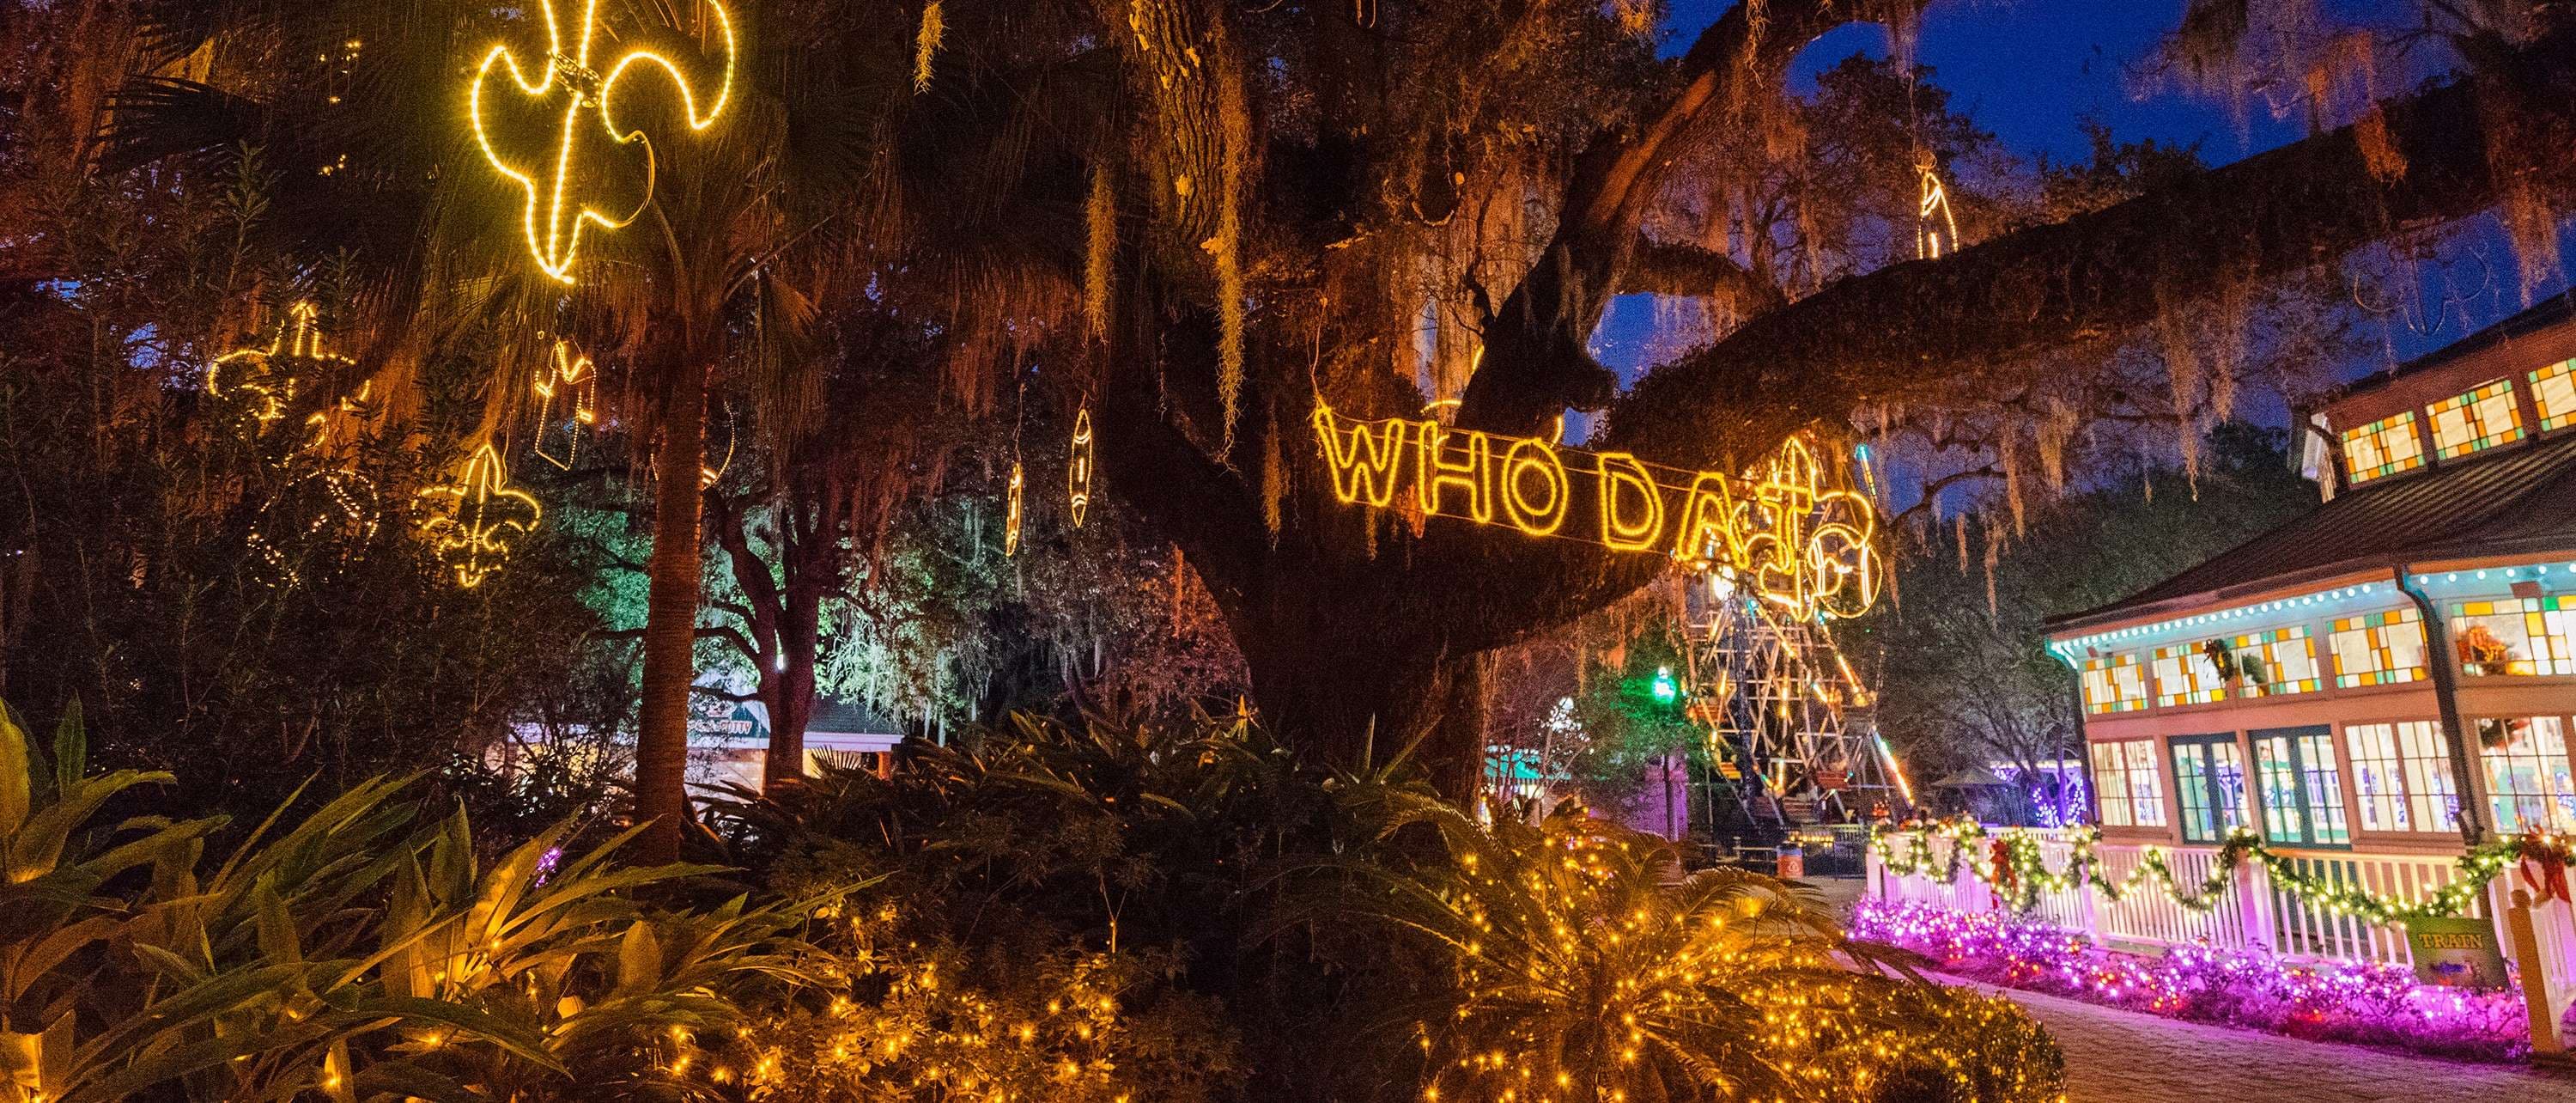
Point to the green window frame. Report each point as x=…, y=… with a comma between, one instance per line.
x=2209, y=779
x=2301, y=787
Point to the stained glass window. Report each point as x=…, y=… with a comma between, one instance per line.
x=2528, y=778
x=2209, y=775
x=2275, y=663
x=2479, y=419
x=2553, y=389
x=2517, y=635
x=2114, y=683
x=2187, y=674
x=2131, y=789
x=2378, y=649
x=2302, y=792
x=2384, y=447
x=2401, y=775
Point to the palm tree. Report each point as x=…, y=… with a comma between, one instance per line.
x=375, y=158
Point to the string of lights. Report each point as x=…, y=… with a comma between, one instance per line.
x=2015, y=868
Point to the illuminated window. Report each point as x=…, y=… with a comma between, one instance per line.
x=2401, y=775
x=2383, y=447
x=2553, y=389
x=2187, y=674
x=2273, y=664
x=2209, y=775
x=2302, y=793
x=2379, y=649
x=2479, y=419
x=2517, y=635
x=2114, y=684
x=2133, y=794
x=2528, y=782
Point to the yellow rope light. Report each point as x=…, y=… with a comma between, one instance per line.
x=567, y=72
x=262, y=381
x=1011, y=522
x=482, y=520
x=1801, y=543
x=1077, y=471
x=567, y=392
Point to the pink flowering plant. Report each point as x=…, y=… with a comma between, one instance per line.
x=2371, y=1004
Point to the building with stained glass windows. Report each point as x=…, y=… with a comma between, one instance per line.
x=2297, y=685
x=2553, y=393
x=2474, y=420
x=2388, y=446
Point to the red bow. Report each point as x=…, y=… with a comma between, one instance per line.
x=2002, y=857
x=2550, y=880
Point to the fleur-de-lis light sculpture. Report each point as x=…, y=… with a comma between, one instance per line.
x=477, y=520
x=261, y=383
x=1077, y=469
x=563, y=183
x=567, y=390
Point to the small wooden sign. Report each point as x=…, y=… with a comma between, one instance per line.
x=2456, y=953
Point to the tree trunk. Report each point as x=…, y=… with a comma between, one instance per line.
x=671, y=618
x=789, y=691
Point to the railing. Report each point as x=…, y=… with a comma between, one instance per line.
x=2249, y=912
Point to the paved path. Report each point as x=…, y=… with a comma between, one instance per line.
x=2123, y=1057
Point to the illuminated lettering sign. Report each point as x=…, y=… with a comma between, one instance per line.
x=570, y=88
x=1791, y=535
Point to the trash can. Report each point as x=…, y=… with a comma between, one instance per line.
x=1792, y=862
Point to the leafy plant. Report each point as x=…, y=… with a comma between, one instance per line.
x=358, y=952
x=1583, y=965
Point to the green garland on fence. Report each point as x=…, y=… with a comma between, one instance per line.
x=2025, y=875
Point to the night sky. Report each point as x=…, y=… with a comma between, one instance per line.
x=2031, y=71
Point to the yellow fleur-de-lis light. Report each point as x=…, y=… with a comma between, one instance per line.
x=1077, y=470
x=261, y=382
x=567, y=391
x=479, y=519
x=567, y=76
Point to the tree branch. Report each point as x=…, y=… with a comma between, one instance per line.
x=1667, y=268
x=1913, y=326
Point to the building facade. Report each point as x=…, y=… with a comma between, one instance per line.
x=2362, y=676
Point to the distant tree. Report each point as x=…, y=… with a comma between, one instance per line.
x=1967, y=681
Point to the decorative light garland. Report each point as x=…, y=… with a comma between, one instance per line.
x=567, y=73
x=1801, y=543
x=482, y=520
x=2015, y=868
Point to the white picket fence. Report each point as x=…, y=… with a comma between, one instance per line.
x=2254, y=914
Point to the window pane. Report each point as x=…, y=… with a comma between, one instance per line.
x=2146, y=789
x=2377, y=782
x=2482, y=418
x=2527, y=773
x=2553, y=388
x=2517, y=636
x=2378, y=649
x=2111, y=784
x=2382, y=448
x=2323, y=787
x=2114, y=683
x=2284, y=813
x=2433, y=790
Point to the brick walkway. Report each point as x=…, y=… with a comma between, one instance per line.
x=2121, y=1057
